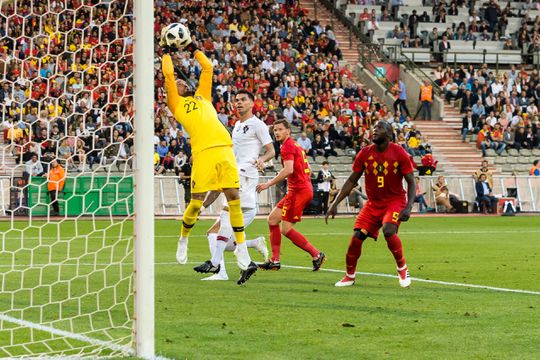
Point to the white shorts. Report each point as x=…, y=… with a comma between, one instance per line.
x=248, y=192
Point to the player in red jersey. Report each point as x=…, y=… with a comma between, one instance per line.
x=385, y=164
x=289, y=210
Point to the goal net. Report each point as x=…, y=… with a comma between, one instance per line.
x=66, y=97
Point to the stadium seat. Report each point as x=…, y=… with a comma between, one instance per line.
x=511, y=160
x=490, y=152
x=536, y=152
x=525, y=152
x=500, y=160
x=513, y=152
x=523, y=160
x=333, y=159
x=345, y=160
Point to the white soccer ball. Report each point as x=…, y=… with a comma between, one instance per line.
x=175, y=35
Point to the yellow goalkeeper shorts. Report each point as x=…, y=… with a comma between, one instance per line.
x=214, y=169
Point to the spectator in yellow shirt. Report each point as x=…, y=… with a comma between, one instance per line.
x=414, y=144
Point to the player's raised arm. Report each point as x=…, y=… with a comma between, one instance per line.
x=205, y=80
x=167, y=67
x=344, y=192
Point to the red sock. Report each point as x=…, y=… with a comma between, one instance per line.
x=303, y=243
x=353, y=254
x=275, y=242
x=394, y=244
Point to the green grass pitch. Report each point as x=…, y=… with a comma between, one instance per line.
x=297, y=314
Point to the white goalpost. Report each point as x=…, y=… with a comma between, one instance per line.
x=144, y=178
x=77, y=280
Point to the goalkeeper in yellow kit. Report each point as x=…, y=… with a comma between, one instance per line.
x=214, y=164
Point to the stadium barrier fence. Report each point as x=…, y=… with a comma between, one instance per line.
x=83, y=194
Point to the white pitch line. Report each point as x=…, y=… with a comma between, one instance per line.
x=259, y=234
x=439, y=282
x=67, y=334
x=172, y=263
x=70, y=335
x=485, y=287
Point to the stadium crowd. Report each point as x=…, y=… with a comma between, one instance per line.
x=501, y=108
x=66, y=91
x=292, y=65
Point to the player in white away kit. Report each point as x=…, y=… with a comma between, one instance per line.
x=249, y=136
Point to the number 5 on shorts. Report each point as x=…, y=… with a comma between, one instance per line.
x=395, y=216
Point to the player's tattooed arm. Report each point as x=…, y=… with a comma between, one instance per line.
x=343, y=193
x=288, y=168
x=405, y=214
x=269, y=153
x=210, y=198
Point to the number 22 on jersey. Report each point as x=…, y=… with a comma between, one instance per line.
x=190, y=106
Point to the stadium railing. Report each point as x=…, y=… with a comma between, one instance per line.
x=170, y=194
x=456, y=56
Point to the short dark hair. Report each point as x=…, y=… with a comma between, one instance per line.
x=246, y=92
x=325, y=163
x=284, y=122
x=536, y=162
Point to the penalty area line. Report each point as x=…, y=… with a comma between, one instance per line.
x=438, y=282
x=67, y=334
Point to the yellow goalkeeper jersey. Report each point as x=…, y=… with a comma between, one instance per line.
x=196, y=113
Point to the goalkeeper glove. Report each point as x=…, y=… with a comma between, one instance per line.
x=191, y=47
x=166, y=48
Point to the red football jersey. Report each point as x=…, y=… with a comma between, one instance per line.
x=383, y=171
x=300, y=178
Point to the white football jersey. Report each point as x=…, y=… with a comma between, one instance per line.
x=248, y=139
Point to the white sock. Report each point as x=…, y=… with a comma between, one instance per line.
x=212, y=244
x=212, y=239
x=222, y=270
x=217, y=256
x=251, y=243
x=242, y=256
x=183, y=238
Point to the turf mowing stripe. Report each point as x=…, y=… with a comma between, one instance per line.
x=485, y=287
x=70, y=335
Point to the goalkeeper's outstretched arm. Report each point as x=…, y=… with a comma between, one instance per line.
x=173, y=98
x=205, y=80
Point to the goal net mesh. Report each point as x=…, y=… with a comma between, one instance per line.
x=66, y=276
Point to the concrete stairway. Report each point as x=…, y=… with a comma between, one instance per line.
x=324, y=16
x=455, y=157
x=8, y=166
